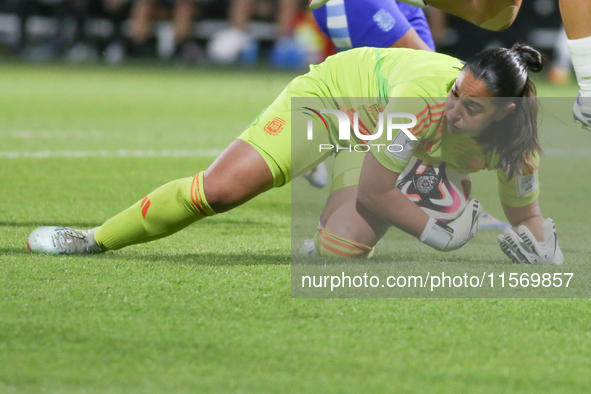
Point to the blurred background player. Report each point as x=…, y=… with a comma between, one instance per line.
x=560, y=71
x=227, y=45
x=74, y=46
x=116, y=12
x=372, y=23
x=576, y=16
x=499, y=14
x=383, y=24
x=181, y=13
x=358, y=23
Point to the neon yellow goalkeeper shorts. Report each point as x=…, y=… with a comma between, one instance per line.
x=270, y=134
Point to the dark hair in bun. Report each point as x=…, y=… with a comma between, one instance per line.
x=505, y=74
x=532, y=59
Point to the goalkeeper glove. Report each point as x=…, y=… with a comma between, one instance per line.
x=455, y=234
x=522, y=246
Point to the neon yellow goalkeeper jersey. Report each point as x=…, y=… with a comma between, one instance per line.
x=418, y=82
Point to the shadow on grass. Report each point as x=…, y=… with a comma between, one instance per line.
x=262, y=258
x=212, y=259
x=205, y=259
x=84, y=225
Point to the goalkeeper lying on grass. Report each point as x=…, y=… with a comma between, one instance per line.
x=481, y=115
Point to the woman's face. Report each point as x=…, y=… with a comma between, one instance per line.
x=470, y=108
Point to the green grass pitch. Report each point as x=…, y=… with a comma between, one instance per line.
x=209, y=310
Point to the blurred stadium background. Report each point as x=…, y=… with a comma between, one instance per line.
x=198, y=32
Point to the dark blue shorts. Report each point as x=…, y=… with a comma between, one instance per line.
x=372, y=23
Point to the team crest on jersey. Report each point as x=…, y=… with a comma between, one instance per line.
x=275, y=126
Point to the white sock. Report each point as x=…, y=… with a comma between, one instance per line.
x=92, y=245
x=580, y=52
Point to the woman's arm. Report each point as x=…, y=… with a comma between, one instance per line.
x=379, y=194
x=528, y=215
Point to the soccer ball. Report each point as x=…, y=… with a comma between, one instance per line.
x=441, y=192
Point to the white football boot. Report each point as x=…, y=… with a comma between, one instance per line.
x=582, y=111
x=486, y=221
x=62, y=240
x=317, y=176
x=308, y=247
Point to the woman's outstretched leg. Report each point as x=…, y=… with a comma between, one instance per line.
x=237, y=175
x=261, y=158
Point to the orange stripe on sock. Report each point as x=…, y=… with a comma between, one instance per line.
x=340, y=243
x=335, y=241
x=336, y=251
x=198, y=195
x=195, y=194
x=145, y=208
x=144, y=200
x=192, y=186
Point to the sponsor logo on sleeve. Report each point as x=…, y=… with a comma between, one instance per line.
x=401, y=147
x=526, y=184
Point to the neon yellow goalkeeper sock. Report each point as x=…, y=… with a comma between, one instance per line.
x=330, y=244
x=161, y=213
